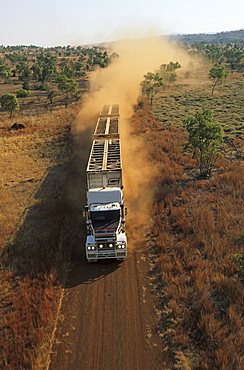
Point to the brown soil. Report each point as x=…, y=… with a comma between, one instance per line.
x=107, y=318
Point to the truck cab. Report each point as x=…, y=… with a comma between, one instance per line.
x=105, y=225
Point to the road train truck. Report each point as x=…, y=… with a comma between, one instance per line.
x=105, y=211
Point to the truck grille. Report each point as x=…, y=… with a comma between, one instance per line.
x=106, y=254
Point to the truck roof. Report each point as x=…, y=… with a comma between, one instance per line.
x=104, y=196
x=105, y=207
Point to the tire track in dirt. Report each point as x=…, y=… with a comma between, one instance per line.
x=104, y=318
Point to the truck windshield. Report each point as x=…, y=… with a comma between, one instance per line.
x=105, y=215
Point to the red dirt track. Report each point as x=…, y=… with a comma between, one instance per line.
x=107, y=320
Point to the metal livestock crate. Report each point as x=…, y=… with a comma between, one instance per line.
x=108, y=123
x=104, y=165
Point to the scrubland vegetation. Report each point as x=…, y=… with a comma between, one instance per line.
x=35, y=231
x=227, y=104
x=195, y=239
x=46, y=77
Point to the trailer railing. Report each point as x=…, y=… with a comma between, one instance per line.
x=108, y=123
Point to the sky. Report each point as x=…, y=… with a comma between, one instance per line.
x=80, y=22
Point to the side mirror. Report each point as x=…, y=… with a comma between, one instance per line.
x=126, y=211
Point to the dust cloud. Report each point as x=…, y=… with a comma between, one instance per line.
x=120, y=84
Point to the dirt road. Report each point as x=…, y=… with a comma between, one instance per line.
x=107, y=319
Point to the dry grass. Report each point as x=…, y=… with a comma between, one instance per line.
x=181, y=101
x=192, y=238
x=35, y=231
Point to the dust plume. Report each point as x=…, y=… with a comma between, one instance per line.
x=120, y=84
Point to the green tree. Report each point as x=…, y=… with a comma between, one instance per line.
x=16, y=57
x=23, y=71
x=22, y=94
x=151, y=85
x=172, y=66
x=170, y=77
x=45, y=67
x=4, y=72
x=79, y=66
x=68, y=87
x=204, y=139
x=9, y=103
x=67, y=70
x=217, y=74
x=235, y=58
x=89, y=64
x=50, y=95
x=36, y=72
x=25, y=85
x=98, y=61
x=167, y=72
x=81, y=58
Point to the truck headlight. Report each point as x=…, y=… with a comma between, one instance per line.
x=110, y=245
x=91, y=247
x=121, y=246
x=100, y=245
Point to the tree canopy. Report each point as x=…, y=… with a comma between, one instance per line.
x=4, y=72
x=22, y=94
x=68, y=86
x=217, y=74
x=151, y=85
x=9, y=103
x=167, y=72
x=46, y=66
x=204, y=139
